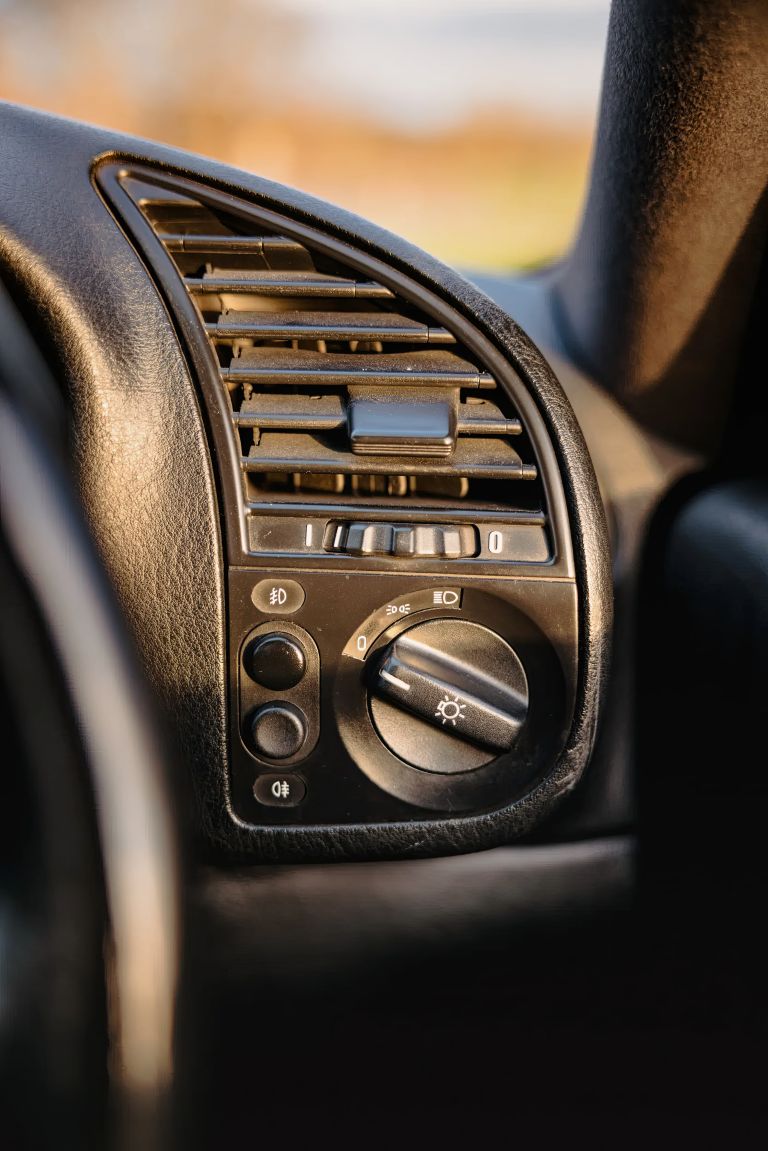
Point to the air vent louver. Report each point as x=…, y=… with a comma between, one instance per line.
x=340, y=389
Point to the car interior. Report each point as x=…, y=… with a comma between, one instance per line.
x=384, y=650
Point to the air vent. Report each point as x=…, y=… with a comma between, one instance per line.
x=340, y=391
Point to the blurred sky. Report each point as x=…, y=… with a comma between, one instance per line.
x=464, y=124
x=424, y=63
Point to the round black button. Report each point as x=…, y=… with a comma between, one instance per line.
x=278, y=730
x=276, y=661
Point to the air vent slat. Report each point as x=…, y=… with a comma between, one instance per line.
x=485, y=420
x=278, y=367
x=286, y=283
x=328, y=412
x=182, y=217
x=332, y=326
x=472, y=457
x=218, y=245
x=311, y=413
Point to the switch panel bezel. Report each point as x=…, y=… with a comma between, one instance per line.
x=351, y=777
x=304, y=695
x=565, y=592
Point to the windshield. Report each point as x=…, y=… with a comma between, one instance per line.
x=463, y=125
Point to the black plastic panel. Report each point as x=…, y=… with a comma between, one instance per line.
x=117, y=345
x=351, y=776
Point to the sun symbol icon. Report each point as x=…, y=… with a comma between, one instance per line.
x=450, y=710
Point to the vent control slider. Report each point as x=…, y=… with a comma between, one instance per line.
x=447, y=541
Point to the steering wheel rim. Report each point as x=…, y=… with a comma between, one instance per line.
x=101, y=849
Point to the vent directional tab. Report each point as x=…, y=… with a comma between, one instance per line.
x=398, y=429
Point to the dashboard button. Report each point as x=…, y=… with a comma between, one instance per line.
x=278, y=597
x=278, y=730
x=275, y=661
x=279, y=790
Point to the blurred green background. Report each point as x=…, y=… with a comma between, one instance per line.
x=464, y=125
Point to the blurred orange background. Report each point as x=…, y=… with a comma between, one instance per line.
x=464, y=125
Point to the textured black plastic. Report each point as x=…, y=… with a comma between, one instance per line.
x=656, y=293
x=146, y=476
x=138, y=443
x=476, y=677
